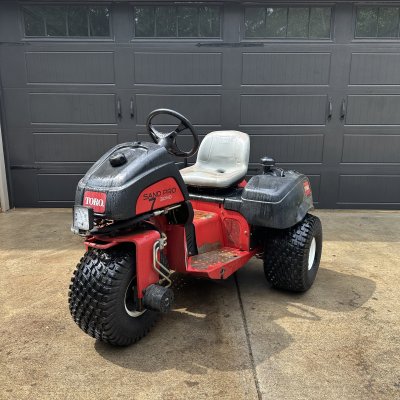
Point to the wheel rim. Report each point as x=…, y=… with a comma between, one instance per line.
x=130, y=300
x=311, y=254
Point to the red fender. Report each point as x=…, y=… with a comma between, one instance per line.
x=144, y=242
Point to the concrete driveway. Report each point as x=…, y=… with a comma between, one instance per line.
x=224, y=340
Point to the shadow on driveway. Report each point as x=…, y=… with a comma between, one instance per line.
x=207, y=320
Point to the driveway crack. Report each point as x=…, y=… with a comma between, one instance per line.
x=247, y=334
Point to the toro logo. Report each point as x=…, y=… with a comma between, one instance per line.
x=95, y=200
x=307, y=188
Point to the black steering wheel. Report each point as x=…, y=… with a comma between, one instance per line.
x=168, y=140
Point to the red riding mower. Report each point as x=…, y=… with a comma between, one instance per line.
x=143, y=218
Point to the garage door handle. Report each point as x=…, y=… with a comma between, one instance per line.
x=24, y=167
x=119, y=111
x=343, y=110
x=329, y=116
x=132, y=109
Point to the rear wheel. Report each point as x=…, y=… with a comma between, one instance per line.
x=103, y=297
x=292, y=256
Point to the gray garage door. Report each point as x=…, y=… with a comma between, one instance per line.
x=317, y=87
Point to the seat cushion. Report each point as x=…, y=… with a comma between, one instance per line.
x=222, y=160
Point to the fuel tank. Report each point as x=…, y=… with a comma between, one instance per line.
x=131, y=179
x=274, y=201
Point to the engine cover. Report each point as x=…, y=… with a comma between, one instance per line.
x=131, y=179
x=274, y=201
x=277, y=202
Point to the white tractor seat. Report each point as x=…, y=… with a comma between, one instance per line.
x=222, y=160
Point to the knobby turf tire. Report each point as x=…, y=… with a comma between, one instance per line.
x=286, y=255
x=97, y=297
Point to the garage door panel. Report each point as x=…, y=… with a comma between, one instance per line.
x=178, y=68
x=17, y=107
x=294, y=149
x=72, y=147
x=70, y=67
x=375, y=69
x=288, y=148
x=371, y=149
x=286, y=68
x=283, y=110
x=24, y=187
x=369, y=189
x=20, y=149
x=315, y=181
x=12, y=66
x=373, y=110
x=57, y=187
x=60, y=94
x=199, y=109
x=66, y=108
x=372, y=130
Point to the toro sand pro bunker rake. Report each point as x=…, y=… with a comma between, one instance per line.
x=143, y=218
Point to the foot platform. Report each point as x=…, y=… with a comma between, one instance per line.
x=219, y=263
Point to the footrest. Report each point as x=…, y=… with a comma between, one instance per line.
x=214, y=258
x=220, y=263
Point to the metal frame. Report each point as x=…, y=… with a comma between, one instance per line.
x=4, y=166
x=4, y=200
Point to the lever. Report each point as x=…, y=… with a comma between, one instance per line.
x=267, y=163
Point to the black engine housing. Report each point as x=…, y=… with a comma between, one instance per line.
x=124, y=172
x=270, y=201
x=276, y=201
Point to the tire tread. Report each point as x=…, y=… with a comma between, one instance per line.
x=94, y=291
x=286, y=255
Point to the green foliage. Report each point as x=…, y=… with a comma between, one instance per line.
x=181, y=21
x=66, y=21
x=288, y=22
x=377, y=22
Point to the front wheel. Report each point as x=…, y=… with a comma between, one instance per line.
x=103, y=297
x=292, y=256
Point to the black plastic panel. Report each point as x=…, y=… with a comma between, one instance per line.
x=147, y=163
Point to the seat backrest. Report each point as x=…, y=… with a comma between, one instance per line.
x=227, y=150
